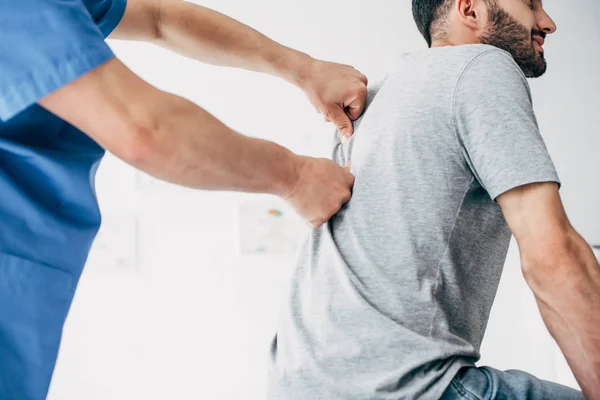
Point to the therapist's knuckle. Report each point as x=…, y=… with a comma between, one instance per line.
x=361, y=90
x=347, y=197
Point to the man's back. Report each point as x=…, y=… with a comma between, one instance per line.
x=392, y=297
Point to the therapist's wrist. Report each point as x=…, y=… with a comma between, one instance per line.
x=286, y=173
x=293, y=66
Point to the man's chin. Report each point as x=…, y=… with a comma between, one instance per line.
x=541, y=67
x=535, y=68
x=535, y=73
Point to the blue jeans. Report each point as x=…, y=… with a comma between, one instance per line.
x=485, y=383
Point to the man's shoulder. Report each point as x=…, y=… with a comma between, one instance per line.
x=473, y=64
x=489, y=66
x=455, y=60
x=472, y=51
x=491, y=58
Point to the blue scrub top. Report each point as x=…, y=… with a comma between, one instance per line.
x=49, y=215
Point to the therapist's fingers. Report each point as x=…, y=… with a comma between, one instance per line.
x=355, y=108
x=338, y=92
x=348, y=167
x=342, y=122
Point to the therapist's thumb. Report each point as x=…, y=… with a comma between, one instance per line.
x=342, y=122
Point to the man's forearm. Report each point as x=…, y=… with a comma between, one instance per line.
x=208, y=36
x=568, y=295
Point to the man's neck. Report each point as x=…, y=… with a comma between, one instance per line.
x=442, y=43
x=456, y=39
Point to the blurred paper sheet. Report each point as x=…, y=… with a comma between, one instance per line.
x=269, y=227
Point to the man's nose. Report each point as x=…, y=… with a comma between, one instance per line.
x=545, y=23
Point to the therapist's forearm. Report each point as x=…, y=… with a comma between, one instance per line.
x=170, y=137
x=189, y=147
x=208, y=36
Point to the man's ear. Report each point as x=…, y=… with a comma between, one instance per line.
x=472, y=13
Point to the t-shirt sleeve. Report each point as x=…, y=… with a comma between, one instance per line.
x=47, y=44
x=496, y=125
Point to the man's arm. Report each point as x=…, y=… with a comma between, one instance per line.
x=337, y=91
x=563, y=273
x=177, y=141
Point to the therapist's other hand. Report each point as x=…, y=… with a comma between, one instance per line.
x=337, y=91
x=322, y=187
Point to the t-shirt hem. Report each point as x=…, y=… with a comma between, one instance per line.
x=23, y=93
x=276, y=390
x=501, y=189
x=445, y=381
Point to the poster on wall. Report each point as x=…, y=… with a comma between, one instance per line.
x=269, y=227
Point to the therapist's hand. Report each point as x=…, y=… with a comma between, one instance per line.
x=337, y=91
x=322, y=187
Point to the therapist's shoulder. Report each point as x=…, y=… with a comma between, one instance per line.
x=140, y=20
x=50, y=45
x=107, y=14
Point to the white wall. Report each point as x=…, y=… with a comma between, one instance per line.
x=167, y=308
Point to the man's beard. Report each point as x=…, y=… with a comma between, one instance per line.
x=508, y=34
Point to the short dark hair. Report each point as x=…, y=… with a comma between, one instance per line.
x=430, y=16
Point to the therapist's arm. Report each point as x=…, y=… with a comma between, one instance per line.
x=562, y=270
x=176, y=141
x=337, y=91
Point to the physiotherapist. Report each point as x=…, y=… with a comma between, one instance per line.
x=65, y=99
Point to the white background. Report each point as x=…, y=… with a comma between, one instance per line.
x=167, y=307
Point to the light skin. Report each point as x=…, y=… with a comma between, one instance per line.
x=174, y=140
x=469, y=21
x=557, y=263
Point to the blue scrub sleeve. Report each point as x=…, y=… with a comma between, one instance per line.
x=109, y=14
x=46, y=44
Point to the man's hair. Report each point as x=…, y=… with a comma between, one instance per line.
x=431, y=17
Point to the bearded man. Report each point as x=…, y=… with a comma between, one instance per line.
x=390, y=300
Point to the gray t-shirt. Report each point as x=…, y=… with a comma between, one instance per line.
x=392, y=296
